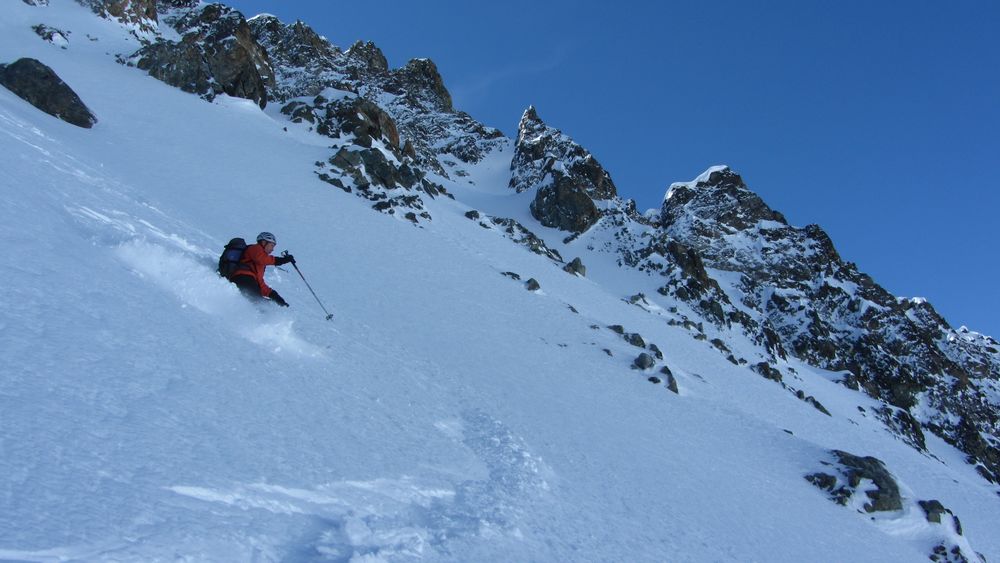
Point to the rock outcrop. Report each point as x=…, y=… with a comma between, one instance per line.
x=881, y=496
x=41, y=87
x=847, y=476
x=140, y=14
x=217, y=54
x=568, y=179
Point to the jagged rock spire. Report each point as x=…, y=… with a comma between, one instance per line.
x=568, y=177
x=421, y=77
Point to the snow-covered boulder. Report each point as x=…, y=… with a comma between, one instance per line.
x=848, y=476
x=52, y=35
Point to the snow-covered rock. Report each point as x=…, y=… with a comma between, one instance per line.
x=566, y=177
x=415, y=95
x=826, y=312
x=141, y=14
x=216, y=54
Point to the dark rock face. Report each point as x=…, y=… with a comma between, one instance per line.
x=421, y=75
x=140, y=13
x=40, y=86
x=353, y=96
x=789, y=291
x=767, y=371
x=167, y=5
x=366, y=60
x=687, y=279
x=732, y=206
x=671, y=380
x=564, y=206
x=576, y=267
x=568, y=178
x=644, y=361
x=217, y=54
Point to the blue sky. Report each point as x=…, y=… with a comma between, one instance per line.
x=878, y=121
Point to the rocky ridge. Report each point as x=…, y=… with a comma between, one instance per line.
x=353, y=96
x=414, y=96
x=794, y=296
x=824, y=311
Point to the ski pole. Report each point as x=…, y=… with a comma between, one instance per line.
x=329, y=316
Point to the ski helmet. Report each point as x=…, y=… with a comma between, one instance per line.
x=267, y=237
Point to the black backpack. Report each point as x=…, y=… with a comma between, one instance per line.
x=229, y=262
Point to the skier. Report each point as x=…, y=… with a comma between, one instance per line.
x=250, y=275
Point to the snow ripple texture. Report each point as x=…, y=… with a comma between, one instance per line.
x=399, y=519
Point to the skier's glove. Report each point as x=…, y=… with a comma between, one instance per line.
x=278, y=299
x=282, y=260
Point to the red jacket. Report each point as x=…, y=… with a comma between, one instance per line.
x=254, y=260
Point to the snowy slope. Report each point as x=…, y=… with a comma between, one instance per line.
x=147, y=412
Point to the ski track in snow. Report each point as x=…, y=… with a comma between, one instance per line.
x=399, y=518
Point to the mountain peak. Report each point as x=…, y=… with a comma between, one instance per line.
x=530, y=114
x=714, y=176
x=718, y=194
x=532, y=125
x=422, y=76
